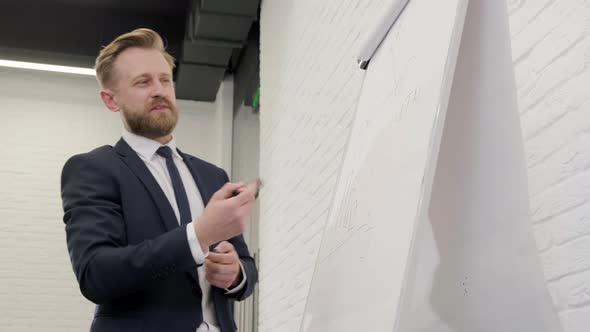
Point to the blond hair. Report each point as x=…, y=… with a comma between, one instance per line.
x=142, y=38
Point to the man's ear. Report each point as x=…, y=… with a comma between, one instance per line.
x=108, y=98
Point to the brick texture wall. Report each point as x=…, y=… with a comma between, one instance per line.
x=45, y=119
x=310, y=87
x=551, y=52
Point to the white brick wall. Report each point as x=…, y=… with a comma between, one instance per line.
x=551, y=50
x=45, y=119
x=310, y=87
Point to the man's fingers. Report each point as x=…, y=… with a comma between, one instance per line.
x=224, y=247
x=243, y=197
x=248, y=206
x=220, y=282
x=230, y=189
x=216, y=278
x=256, y=185
x=218, y=258
x=246, y=209
x=252, y=188
x=221, y=270
x=227, y=190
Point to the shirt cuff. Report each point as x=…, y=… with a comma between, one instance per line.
x=194, y=245
x=241, y=285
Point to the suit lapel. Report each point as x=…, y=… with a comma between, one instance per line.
x=138, y=167
x=206, y=188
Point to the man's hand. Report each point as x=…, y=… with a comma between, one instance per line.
x=222, y=267
x=225, y=215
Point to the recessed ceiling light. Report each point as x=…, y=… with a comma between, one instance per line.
x=45, y=67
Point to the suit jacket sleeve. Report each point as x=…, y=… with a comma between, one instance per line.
x=247, y=260
x=106, y=266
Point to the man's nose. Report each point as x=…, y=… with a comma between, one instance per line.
x=158, y=89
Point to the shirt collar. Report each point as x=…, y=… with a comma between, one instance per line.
x=146, y=147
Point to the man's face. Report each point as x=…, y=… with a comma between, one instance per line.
x=144, y=91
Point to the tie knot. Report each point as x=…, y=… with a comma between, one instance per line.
x=165, y=152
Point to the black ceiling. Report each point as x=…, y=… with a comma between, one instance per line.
x=205, y=36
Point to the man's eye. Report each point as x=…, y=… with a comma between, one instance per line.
x=144, y=82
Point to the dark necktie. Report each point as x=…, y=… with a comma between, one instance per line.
x=181, y=198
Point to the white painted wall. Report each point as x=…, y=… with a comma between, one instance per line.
x=45, y=118
x=245, y=163
x=223, y=125
x=310, y=86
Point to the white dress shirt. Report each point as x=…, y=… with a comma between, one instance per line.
x=146, y=150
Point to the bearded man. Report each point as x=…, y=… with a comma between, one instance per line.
x=153, y=234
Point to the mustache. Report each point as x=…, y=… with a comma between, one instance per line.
x=160, y=101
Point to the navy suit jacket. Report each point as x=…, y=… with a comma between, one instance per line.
x=129, y=253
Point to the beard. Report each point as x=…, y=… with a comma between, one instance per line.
x=151, y=124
